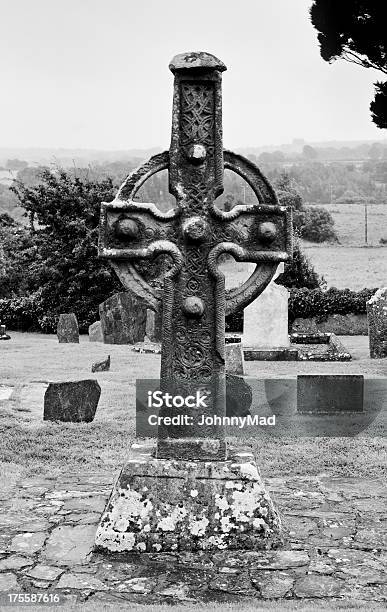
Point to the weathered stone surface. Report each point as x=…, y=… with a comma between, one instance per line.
x=141, y=585
x=377, y=324
x=330, y=393
x=101, y=366
x=95, y=332
x=281, y=559
x=188, y=510
x=72, y=401
x=44, y=572
x=319, y=586
x=27, y=543
x=153, y=326
x=265, y=322
x=14, y=562
x=272, y=585
x=234, y=358
x=123, y=319
x=82, y=582
x=339, y=324
x=238, y=396
x=69, y=545
x=67, y=330
x=8, y=582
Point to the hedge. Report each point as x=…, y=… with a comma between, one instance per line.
x=26, y=314
x=307, y=303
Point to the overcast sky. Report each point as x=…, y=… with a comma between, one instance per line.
x=94, y=73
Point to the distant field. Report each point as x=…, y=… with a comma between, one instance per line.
x=352, y=267
x=342, y=266
x=350, y=221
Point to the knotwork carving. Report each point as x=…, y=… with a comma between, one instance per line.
x=195, y=235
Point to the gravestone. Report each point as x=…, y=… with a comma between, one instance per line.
x=265, y=322
x=74, y=402
x=3, y=333
x=153, y=326
x=234, y=358
x=377, y=324
x=123, y=319
x=101, y=366
x=181, y=494
x=67, y=330
x=327, y=394
x=238, y=396
x=95, y=332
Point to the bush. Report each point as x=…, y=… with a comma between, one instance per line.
x=307, y=303
x=299, y=272
x=314, y=223
x=21, y=313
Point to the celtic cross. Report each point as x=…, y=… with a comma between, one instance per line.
x=194, y=235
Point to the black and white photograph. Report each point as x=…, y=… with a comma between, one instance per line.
x=193, y=305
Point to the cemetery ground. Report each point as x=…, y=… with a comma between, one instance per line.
x=56, y=477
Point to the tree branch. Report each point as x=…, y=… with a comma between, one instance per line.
x=357, y=59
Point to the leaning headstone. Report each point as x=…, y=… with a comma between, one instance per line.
x=234, y=358
x=238, y=396
x=377, y=324
x=95, y=332
x=3, y=333
x=123, y=319
x=67, y=330
x=101, y=366
x=327, y=394
x=74, y=402
x=153, y=326
x=266, y=319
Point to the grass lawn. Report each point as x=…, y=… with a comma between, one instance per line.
x=30, y=446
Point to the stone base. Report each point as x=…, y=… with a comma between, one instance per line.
x=160, y=505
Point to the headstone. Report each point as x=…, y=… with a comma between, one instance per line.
x=238, y=396
x=153, y=326
x=74, y=402
x=327, y=394
x=67, y=330
x=234, y=358
x=3, y=333
x=101, y=366
x=266, y=319
x=180, y=495
x=377, y=324
x=95, y=332
x=123, y=319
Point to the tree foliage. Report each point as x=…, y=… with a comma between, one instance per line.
x=355, y=30
x=16, y=251
x=64, y=273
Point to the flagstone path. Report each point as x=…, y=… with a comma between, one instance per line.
x=335, y=547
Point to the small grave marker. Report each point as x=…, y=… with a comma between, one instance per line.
x=74, y=402
x=327, y=394
x=67, y=330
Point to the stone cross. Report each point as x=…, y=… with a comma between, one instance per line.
x=194, y=235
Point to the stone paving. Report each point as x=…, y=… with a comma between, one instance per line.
x=335, y=547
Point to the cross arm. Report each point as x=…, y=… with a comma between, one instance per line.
x=253, y=233
x=131, y=230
